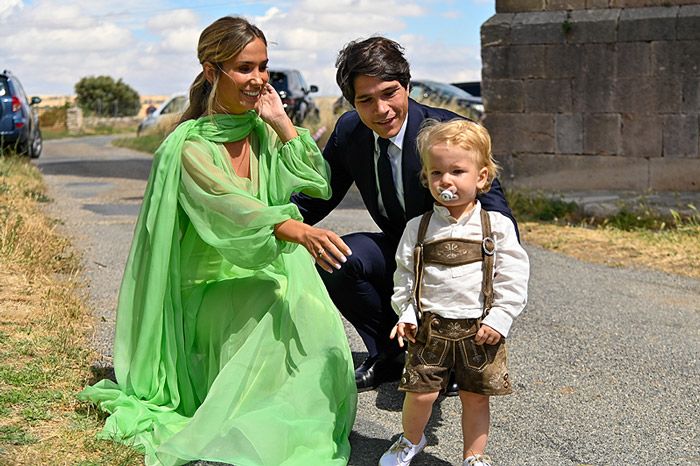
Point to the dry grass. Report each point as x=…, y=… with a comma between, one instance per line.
x=674, y=251
x=44, y=355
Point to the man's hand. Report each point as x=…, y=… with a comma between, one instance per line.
x=403, y=330
x=487, y=335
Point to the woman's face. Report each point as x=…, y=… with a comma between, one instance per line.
x=242, y=78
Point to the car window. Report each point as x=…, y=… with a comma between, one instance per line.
x=20, y=91
x=3, y=87
x=302, y=83
x=176, y=105
x=279, y=81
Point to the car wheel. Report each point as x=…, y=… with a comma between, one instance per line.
x=36, y=146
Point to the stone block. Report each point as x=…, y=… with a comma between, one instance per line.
x=688, y=22
x=674, y=174
x=521, y=132
x=516, y=6
x=495, y=62
x=680, y=136
x=647, y=24
x=593, y=93
x=548, y=96
x=577, y=172
x=538, y=28
x=690, y=57
x=633, y=95
x=569, y=133
x=590, y=26
x=601, y=134
x=599, y=59
x=690, y=102
x=503, y=95
x=496, y=30
x=597, y=4
x=641, y=135
x=526, y=61
x=667, y=58
x=668, y=95
x=563, y=61
x=566, y=4
x=499, y=125
x=633, y=59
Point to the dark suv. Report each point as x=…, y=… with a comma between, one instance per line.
x=294, y=91
x=19, y=120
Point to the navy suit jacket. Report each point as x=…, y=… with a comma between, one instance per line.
x=350, y=155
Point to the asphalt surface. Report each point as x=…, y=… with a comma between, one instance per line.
x=604, y=360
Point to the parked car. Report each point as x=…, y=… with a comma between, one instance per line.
x=19, y=119
x=167, y=113
x=472, y=87
x=294, y=91
x=443, y=95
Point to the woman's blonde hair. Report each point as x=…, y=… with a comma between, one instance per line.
x=220, y=41
x=464, y=134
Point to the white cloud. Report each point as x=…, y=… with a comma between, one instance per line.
x=7, y=6
x=152, y=46
x=173, y=19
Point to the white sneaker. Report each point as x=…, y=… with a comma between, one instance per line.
x=402, y=452
x=477, y=460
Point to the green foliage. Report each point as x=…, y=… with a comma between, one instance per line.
x=147, y=143
x=536, y=206
x=102, y=96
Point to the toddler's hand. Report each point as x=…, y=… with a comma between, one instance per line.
x=487, y=335
x=404, y=330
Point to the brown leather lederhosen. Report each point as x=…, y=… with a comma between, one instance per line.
x=453, y=252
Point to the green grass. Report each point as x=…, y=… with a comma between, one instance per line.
x=147, y=143
x=540, y=207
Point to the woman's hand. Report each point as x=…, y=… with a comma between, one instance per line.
x=403, y=330
x=271, y=110
x=325, y=246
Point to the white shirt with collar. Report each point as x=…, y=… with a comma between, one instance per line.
x=454, y=292
x=395, y=151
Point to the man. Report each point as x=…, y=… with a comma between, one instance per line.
x=374, y=147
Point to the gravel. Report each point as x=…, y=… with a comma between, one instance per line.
x=604, y=360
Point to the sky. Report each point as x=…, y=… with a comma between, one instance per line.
x=151, y=45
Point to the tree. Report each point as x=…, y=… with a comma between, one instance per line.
x=101, y=95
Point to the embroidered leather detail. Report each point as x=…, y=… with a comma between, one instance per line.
x=452, y=251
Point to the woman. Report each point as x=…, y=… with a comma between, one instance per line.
x=227, y=346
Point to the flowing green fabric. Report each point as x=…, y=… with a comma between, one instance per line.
x=227, y=345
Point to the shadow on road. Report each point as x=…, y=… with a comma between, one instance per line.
x=133, y=169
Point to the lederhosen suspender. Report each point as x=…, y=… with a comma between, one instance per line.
x=454, y=251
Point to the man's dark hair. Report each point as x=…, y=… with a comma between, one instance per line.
x=377, y=57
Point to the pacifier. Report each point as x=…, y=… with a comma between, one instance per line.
x=448, y=195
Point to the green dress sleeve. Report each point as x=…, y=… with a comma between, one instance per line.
x=295, y=166
x=226, y=211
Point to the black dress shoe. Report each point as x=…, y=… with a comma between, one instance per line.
x=364, y=375
x=378, y=369
x=452, y=389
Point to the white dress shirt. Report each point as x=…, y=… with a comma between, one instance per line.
x=455, y=292
x=395, y=151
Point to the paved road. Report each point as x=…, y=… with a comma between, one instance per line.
x=605, y=360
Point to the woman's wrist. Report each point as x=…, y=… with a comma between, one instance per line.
x=284, y=128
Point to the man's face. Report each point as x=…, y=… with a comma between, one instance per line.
x=381, y=105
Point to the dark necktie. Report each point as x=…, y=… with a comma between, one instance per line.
x=387, y=188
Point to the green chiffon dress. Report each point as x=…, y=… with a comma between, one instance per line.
x=227, y=345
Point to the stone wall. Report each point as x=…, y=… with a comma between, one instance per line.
x=587, y=94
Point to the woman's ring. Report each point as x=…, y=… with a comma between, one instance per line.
x=320, y=252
